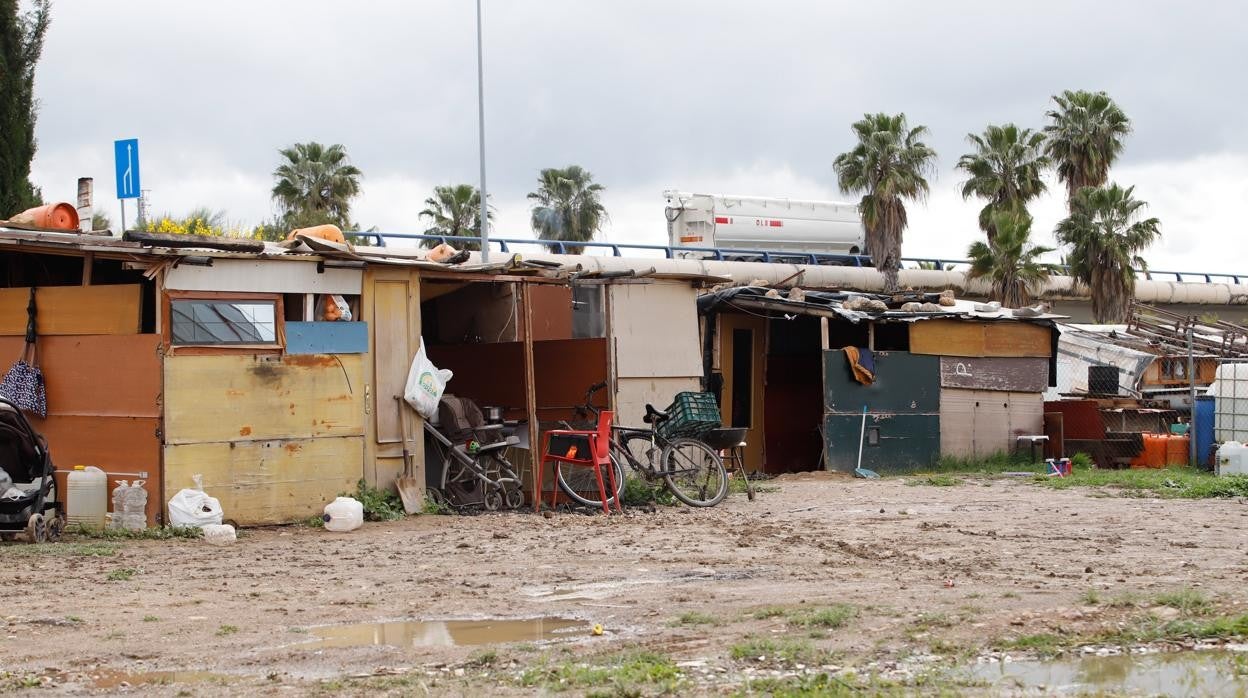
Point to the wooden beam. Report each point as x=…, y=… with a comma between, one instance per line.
x=88, y=263
x=202, y=241
x=530, y=389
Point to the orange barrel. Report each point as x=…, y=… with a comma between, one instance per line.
x=1177, y=449
x=1154, y=453
x=60, y=216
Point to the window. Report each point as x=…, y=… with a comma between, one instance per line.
x=224, y=322
x=588, y=319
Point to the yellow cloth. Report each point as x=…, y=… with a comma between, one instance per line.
x=861, y=373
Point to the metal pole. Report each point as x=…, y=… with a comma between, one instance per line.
x=123, y=215
x=1191, y=379
x=485, y=212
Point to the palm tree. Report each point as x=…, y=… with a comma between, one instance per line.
x=887, y=166
x=1005, y=169
x=566, y=206
x=1106, y=236
x=1010, y=261
x=455, y=211
x=1084, y=138
x=316, y=182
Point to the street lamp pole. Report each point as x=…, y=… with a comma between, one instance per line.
x=485, y=212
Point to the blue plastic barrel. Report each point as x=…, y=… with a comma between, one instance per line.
x=1203, y=419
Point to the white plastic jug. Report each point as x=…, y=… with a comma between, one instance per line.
x=1232, y=459
x=343, y=514
x=86, y=498
x=118, y=520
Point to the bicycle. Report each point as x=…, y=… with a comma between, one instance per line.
x=691, y=470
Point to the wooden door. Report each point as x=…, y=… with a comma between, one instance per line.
x=392, y=307
x=743, y=353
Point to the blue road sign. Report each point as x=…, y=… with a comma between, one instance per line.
x=127, y=157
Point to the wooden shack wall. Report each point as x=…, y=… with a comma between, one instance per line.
x=103, y=380
x=654, y=337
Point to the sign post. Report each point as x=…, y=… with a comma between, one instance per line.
x=126, y=159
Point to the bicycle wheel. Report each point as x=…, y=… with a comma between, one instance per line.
x=579, y=483
x=694, y=473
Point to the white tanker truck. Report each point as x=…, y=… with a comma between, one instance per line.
x=762, y=224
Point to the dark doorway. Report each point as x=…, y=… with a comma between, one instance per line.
x=793, y=408
x=742, y=377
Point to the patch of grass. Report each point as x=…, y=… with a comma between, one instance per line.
x=227, y=630
x=482, y=659
x=697, y=618
x=150, y=619
x=1010, y=595
x=935, y=481
x=154, y=533
x=1126, y=599
x=313, y=522
x=776, y=651
x=808, y=686
x=639, y=492
x=991, y=465
x=927, y=621
x=623, y=674
x=122, y=574
x=1044, y=644
x=60, y=550
x=1186, y=600
x=836, y=616
x=1167, y=483
x=76, y=620
x=769, y=612
x=1090, y=597
x=379, y=505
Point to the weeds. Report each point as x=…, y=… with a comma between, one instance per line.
x=1090, y=597
x=640, y=492
x=782, y=651
x=313, y=522
x=623, y=674
x=122, y=574
x=1044, y=644
x=482, y=659
x=992, y=465
x=227, y=630
x=435, y=508
x=154, y=533
x=1186, y=600
x=837, y=616
x=769, y=612
x=1168, y=483
x=150, y=619
x=935, y=481
x=379, y=505
x=697, y=618
x=60, y=549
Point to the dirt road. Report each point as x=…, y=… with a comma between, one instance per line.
x=821, y=571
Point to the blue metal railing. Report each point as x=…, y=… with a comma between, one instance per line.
x=723, y=254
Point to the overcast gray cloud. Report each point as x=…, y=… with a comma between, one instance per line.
x=747, y=97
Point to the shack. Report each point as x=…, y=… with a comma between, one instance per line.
x=800, y=370
x=171, y=356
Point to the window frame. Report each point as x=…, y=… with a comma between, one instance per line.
x=279, y=321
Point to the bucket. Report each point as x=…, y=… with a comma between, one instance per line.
x=60, y=216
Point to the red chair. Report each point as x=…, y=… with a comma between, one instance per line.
x=598, y=458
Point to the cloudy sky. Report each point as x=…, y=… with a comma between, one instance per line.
x=713, y=96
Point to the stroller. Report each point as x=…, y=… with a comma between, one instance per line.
x=27, y=508
x=466, y=464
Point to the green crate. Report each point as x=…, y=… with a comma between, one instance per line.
x=691, y=414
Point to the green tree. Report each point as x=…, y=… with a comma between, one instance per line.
x=101, y=221
x=21, y=43
x=567, y=206
x=1010, y=262
x=1106, y=235
x=1084, y=137
x=316, y=183
x=455, y=211
x=888, y=165
x=1005, y=169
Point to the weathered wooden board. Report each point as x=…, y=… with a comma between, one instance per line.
x=264, y=276
x=655, y=329
x=564, y=371
x=113, y=444
x=552, y=312
x=1023, y=374
x=73, y=310
x=256, y=398
x=109, y=375
x=904, y=383
x=905, y=441
x=326, y=337
x=269, y=482
x=966, y=338
x=982, y=423
x=1017, y=339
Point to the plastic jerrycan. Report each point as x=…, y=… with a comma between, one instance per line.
x=86, y=499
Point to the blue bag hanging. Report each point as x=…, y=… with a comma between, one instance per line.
x=23, y=385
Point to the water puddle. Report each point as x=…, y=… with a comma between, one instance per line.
x=110, y=679
x=1170, y=674
x=446, y=633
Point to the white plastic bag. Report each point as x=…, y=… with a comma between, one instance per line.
x=425, y=383
x=219, y=534
x=193, y=507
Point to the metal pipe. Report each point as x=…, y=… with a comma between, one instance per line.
x=484, y=232
x=1191, y=379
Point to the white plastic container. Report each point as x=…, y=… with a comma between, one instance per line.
x=1232, y=459
x=1230, y=410
x=86, y=497
x=219, y=534
x=117, y=520
x=343, y=514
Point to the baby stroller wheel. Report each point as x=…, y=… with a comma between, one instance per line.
x=494, y=499
x=515, y=497
x=37, y=529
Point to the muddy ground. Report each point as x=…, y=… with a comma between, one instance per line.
x=937, y=573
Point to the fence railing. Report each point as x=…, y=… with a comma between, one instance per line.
x=726, y=254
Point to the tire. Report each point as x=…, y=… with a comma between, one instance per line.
x=581, y=486
x=37, y=529
x=694, y=473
